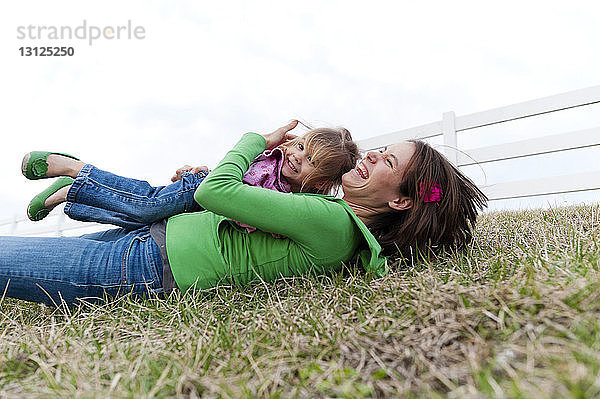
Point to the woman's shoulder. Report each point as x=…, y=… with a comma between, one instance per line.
x=326, y=202
x=337, y=218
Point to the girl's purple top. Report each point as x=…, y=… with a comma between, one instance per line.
x=265, y=172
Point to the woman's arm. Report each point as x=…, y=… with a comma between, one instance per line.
x=308, y=220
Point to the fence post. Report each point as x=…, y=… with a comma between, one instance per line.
x=13, y=227
x=60, y=221
x=450, y=141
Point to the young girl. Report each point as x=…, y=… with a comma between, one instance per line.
x=312, y=163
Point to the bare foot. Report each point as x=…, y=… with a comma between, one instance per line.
x=57, y=198
x=59, y=165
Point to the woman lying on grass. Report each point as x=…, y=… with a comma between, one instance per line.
x=405, y=197
x=313, y=163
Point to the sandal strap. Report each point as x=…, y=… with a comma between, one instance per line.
x=37, y=206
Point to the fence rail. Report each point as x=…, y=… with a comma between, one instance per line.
x=526, y=148
x=57, y=224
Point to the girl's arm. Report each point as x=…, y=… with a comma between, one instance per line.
x=187, y=168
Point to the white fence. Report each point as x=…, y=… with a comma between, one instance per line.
x=447, y=128
x=450, y=125
x=56, y=224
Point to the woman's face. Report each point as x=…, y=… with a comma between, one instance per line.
x=374, y=182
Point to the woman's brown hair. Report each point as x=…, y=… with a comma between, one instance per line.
x=333, y=153
x=444, y=208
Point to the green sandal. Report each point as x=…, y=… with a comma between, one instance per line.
x=34, y=165
x=37, y=207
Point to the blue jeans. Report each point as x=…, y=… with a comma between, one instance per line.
x=51, y=269
x=103, y=197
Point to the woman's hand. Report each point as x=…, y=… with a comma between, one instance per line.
x=280, y=135
x=188, y=168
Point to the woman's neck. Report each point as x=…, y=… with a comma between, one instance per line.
x=364, y=213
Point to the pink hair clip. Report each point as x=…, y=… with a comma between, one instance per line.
x=434, y=194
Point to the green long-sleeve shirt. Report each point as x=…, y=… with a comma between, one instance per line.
x=205, y=248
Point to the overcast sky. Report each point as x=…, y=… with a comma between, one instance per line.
x=206, y=72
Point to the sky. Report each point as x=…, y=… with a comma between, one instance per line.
x=206, y=72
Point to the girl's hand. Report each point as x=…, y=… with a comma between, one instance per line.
x=280, y=135
x=187, y=168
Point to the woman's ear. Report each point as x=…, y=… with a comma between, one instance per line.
x=401, y=204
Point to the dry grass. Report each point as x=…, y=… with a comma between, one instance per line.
x=517, y=315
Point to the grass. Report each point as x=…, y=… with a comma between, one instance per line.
x=516, y=315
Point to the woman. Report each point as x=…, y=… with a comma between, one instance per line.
x=405, y=196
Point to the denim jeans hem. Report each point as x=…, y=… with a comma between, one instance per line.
x=79, y=182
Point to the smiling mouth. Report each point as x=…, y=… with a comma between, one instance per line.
x=292, y=167
x=362, y=171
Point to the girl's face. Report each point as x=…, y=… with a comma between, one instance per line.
x=297, y=164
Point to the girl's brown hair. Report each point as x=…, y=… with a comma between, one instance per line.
x=444, y=208
x=333, y=153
